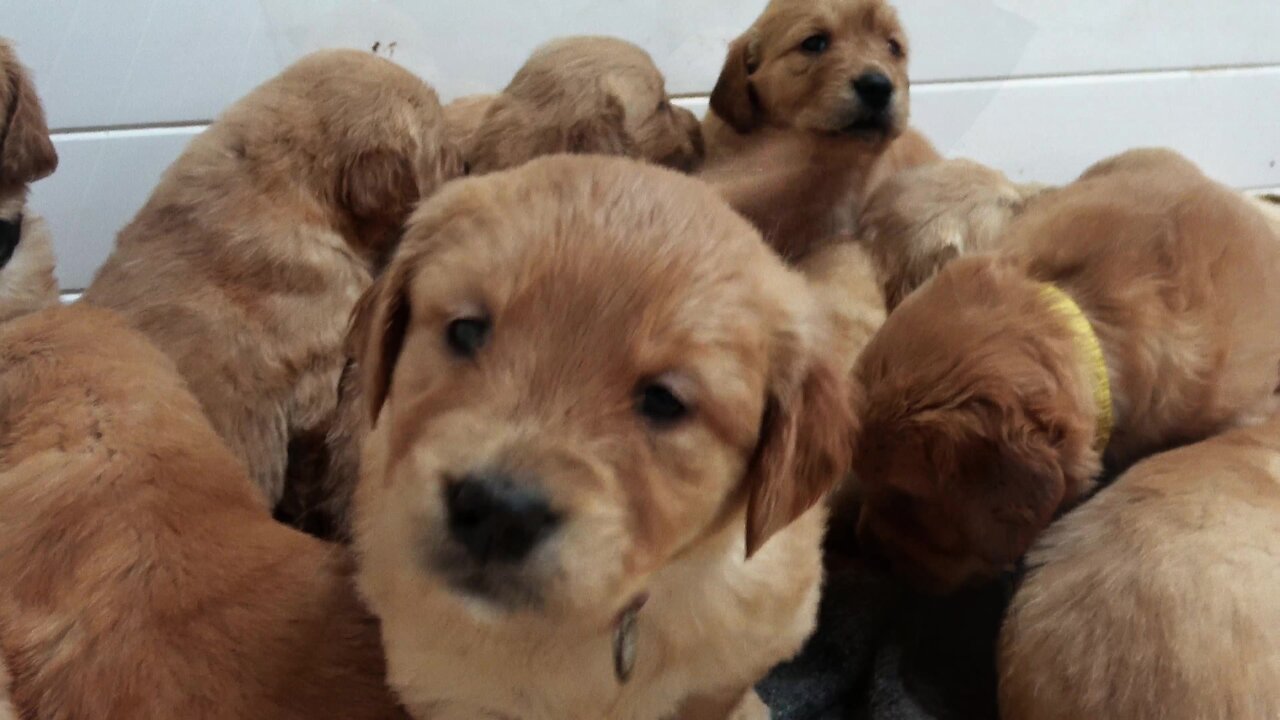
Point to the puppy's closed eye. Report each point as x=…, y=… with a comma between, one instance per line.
x=896, y=48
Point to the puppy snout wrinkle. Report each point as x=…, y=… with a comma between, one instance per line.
x=875, y=89
x=495, y=519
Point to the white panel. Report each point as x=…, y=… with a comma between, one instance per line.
x=125, y=62
x=1047, y=130
x=102, y=181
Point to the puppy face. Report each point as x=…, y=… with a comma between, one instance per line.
x=832, y=67
x=579, y=370
x=972, y=434
x=920, y=219
x=587, y=95
x=26, y=152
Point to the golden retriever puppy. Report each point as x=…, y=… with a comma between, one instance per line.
x=1157, y=599
x=142, y=576
x=1133, y=312
x=922, y=218
x=246, y=261
x=597, y=95
x=809, y=113
x=462, y=118
x=26, y=154
x=605, y=415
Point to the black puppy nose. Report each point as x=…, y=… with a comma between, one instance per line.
x=875, y=89
x=495, y=519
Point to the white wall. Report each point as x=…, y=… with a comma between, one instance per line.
x=1039, y=88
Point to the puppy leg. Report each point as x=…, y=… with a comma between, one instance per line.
x=725, y=706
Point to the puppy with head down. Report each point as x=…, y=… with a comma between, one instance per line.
x=246, y=261
x=26, y=154
x=1133, y=311
x=142, y=578
x=596, y=95
x=809, y=114
x=922, y=218
x=604, y=417
x=1157, y=599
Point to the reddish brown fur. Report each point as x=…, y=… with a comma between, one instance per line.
x=247, y=259
x=27, y=154
x=980, y=418
x=599, y=275
x=778, y=144
x=142, y=576
x=596, y=95
x=1157, y=600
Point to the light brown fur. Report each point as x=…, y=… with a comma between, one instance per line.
x=463, y=118
x=980, y=417
x=248, y=258
x=1159, y=599
x=27, y=154
x=596, y=95
x=600, y=278
x=922, y=218
x=790, y=143
x=142, y=576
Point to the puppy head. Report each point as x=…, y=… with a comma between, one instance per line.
x=26, y=152
x=367, y=135
x=578, y=370
x=975, y=425
x=920, y=219
x=832, y=67
x=589, y=95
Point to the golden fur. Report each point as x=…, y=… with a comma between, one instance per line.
x=142, y=576
x=27, y=154
x=6, y=708
x=790, y=142
x=1157, y=599
x=246, y=261
x=597, y=95
x=603, y=280
x=980, y=416
x=463, y=117
x=921, y=219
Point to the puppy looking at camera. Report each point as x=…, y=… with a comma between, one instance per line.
x=248, y=258
x=922, y=218
x=26, y=155
x=1157, y=599
x=604, y=417
x=809, y=114
x=1132, y=311
x=596, y=95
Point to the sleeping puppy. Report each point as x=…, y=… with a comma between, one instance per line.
x=597, y=95
x=1133, y=311
x=922, y=218
x=1157, y=599
x=245, y=263
x=605, y=417
x=142, y=576
x=809, y=114
x=26, y=155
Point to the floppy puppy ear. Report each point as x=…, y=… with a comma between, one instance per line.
x=376, y=332
x=805, y=448
x=26, y=151
x=603, y=133
x=380, y=184
x=733, y=98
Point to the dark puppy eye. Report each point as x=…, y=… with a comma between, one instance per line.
x=895, y=47
x=659, y=404
x=467, y=335
x=816, y=43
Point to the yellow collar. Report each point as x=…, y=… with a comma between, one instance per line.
x=1088, y=345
